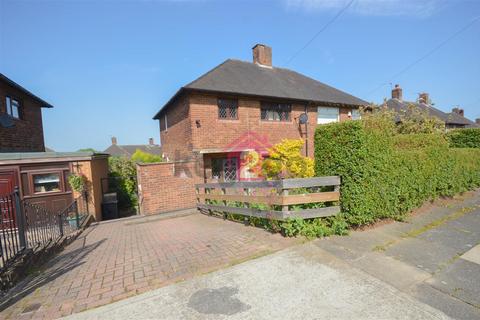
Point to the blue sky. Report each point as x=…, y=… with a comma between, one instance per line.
x=108, y=66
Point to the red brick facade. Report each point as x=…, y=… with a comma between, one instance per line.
x=194, y=126
x=27, y=134
x=168, y=186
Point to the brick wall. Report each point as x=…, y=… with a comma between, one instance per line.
x=176, y=138
x=168, y=186
x=27, y=135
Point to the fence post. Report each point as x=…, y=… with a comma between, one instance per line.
x=60, y=224
x=77, y=218
x=246, y=219
x=224, y=214
x=19, y=215
x=285, y=211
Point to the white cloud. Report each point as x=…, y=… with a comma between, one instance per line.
x=418, y=8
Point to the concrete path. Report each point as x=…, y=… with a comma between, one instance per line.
x=300, y=283
x=424, y=268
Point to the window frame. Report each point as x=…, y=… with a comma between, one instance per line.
x=327, y=120
x=229, y=108
x=357, y=111
x=274, y=109
x=61, y=183
x=10, y=102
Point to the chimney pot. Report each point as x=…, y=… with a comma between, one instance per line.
x=150, y=141
x=423, y=98
x=262, y=55
x=114, y=141
x=458, y=111
x=397, y=92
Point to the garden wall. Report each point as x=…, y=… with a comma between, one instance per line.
x=167, y=186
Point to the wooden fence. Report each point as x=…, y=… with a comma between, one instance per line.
x=276, y=196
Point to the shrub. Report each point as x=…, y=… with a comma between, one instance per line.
x=123, y=179
x=385, y=173
x=78, y=182
x=464, y=138
x=145, y=157
x=286, y=161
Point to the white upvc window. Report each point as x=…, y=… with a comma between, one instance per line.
x=327, y=115
x=356, y=114
x=166, y=123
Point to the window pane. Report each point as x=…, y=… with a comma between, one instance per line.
x=46, y=182
x=8, y=104
x=227, y=108
x=356, y=114
x=275, y=111
x=327, y=115
x=15, y=111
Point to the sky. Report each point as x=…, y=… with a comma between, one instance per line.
x=108, y=66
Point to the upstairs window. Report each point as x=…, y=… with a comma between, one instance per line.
x=13, y=107
x=327, y=115
x=275, y=111
x=227, y=109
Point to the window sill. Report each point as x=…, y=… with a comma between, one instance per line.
x=229, y=120
x=46, y=194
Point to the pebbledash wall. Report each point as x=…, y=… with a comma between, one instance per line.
x=168, y=186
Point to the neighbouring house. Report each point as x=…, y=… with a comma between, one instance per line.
x=127, y=150
x=21, y=128
x=240, y=106
x=42, y=178
x=453, y=120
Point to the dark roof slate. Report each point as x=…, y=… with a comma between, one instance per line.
x=246, y=78
x=129, y=149
x=449, y=118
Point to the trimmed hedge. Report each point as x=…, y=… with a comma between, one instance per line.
x=464, y=138
x=386, y=174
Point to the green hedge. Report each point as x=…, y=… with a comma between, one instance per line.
x=385, y=174
x=465, y=138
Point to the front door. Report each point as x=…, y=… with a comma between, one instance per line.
x=7, y=204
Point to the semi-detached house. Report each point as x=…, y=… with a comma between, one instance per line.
x=239, y=106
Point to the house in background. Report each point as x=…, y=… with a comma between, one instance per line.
x=127, y=150
x=21, y=128
x=240, y=105
x=453, y=120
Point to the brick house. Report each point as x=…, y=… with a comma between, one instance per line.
x=21, y=127
x=453, y=120
x=127, y=150
x=239, y=106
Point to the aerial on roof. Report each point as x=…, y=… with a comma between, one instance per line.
x=455, y=117
x=19, y=87
x=263, y=80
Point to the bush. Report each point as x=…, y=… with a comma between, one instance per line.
x=464, y=138
x=385, y=174
x=286, y=161
x=145, y=157
x=122, y=174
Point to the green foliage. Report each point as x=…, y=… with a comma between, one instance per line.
x=78, y=182
x=123, y=179
x=88, y=150
x=415, y=120
x=286, y=161
x=464, y=138
x=385, y=173
x=145, y=157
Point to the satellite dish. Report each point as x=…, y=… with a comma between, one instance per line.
x=303, y=118
x=6, y=121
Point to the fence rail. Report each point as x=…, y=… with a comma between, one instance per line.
x=26, y=227
x=277, y=197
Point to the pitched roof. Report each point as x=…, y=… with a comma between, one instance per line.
x=449, y=118
x=129, y=149
x=246, y=78
x=19, y=87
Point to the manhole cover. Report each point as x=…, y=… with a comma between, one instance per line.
x=217, y=301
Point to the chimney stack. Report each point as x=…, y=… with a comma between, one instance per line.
x=262, y=55
x=459, y=111
x=423, y=98
x=397, y=92
x=114, y=141
x=150, y=141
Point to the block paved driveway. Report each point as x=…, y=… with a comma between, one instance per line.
x=115, y=260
